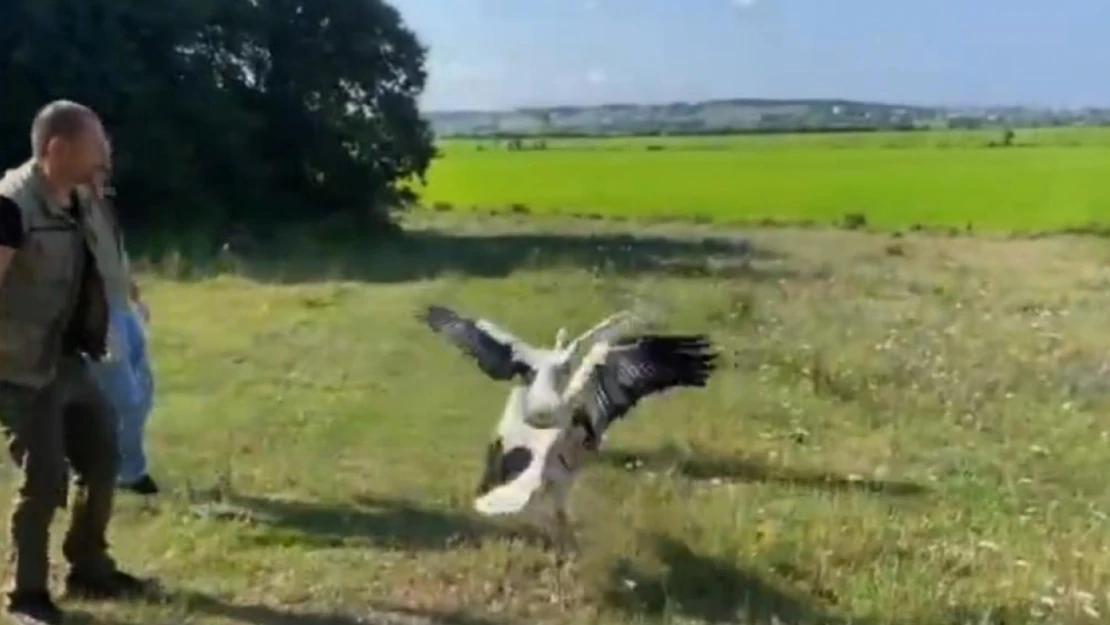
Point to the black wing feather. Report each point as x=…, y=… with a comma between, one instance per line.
x=637, y=367
x=494, y=357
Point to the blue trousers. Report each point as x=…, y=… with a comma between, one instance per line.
x=128, y=382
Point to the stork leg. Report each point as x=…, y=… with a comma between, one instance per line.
x=561, y=521
x=600, y=442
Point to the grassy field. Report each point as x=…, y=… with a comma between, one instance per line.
x=905, y=430
x=1052, y=180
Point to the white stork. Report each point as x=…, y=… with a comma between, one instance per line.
x=536, y=373
x=553, y=420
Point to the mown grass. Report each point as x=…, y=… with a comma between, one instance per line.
x=905, y=430
x=1035, y=186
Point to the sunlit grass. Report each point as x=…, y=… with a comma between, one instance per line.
x=905, y=431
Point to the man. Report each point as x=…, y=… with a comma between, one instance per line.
x=53, y=314
x=124, y=376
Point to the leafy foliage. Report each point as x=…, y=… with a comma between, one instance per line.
x=229, y=111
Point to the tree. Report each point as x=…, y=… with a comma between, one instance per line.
x=336, y=84
x=229, y=111
x=1008, y=137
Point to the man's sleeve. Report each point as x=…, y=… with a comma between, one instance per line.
x=11, y=224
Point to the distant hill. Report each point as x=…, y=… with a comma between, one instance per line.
x=746, y=115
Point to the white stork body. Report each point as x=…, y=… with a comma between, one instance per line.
x=555, y=417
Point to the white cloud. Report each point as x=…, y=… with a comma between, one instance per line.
x=743, y=4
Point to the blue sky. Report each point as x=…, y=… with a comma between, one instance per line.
x=497, y=54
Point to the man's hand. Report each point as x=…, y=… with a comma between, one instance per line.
x=137, y=297
x=6, y=254
x=144, y=311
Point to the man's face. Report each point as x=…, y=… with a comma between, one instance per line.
x=85, y=156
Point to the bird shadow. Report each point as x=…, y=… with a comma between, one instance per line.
x=429, y=253
x=702, y=588
x=705, y=589
x=709, y=467
x=381, y=522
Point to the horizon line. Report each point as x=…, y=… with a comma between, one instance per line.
x=810, y=100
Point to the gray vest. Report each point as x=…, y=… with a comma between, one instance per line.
x=40, y=291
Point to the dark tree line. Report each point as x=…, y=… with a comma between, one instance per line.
x=226, y=112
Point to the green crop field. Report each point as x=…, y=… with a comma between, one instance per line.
x=1052, y=179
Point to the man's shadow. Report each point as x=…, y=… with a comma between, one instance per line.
x=377, y=521
x=258, y=614
x=196, y=604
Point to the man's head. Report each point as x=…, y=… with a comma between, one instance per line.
x=70, y=142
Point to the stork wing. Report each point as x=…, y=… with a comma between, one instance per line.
x=610, y=329
x=613, y=379
x=499, y=355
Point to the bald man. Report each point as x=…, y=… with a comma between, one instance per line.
x=53, y=318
